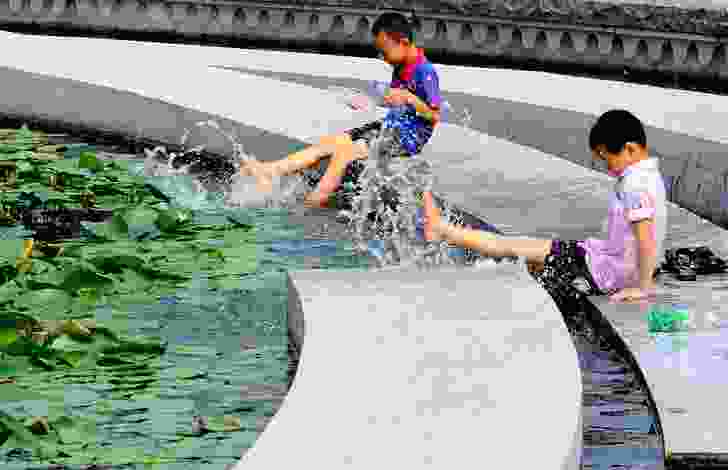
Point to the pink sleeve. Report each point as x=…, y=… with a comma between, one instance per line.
x=639, y=206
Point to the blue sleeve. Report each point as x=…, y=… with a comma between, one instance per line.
x=430, y=86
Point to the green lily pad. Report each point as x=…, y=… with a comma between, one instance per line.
x=49, y=303
x=84, y=276
x=16, y=435
x=88, y=161
x=72, y=358
x=23, y=346
x=9, y=426
x=113, y=230
x=24, y=167
x=10, y=249
x=140, y=216
x=107, y=360
x=75, y=430
x=138, y=346
x=43, y=362
x=116, y=262
x=171, y=219
x=66, y=344
x=8, y=336
x=74, y=151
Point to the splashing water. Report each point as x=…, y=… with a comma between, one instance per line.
x=387, y=182
x=180, y=176
x=387, y=179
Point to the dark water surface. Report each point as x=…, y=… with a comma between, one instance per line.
x=226, y=355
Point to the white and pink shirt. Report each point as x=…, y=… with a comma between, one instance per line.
x=638, y=194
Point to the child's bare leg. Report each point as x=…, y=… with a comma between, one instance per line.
x=263, y=172
x=301, y=160
x=534, y=250
x=345, y=153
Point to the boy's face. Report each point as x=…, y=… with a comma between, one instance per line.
x=616, y=162
x=393, y=51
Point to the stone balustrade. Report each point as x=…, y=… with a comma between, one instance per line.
x=637, y=37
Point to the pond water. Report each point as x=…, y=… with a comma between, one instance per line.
x=210, y=291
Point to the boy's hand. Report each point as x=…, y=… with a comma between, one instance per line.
x=398, y=97
x=359, y=103
x=632, y=293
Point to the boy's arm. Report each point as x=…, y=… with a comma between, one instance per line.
x=423, y=109
x=643, y=232
x=641, y=214
x=429, y=108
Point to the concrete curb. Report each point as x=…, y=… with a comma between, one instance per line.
x=462, y=328
x=506, y=370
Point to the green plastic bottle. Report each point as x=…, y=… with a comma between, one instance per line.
x=668, y=319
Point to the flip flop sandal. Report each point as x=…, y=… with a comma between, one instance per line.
x=707, y=262
x=681, y=265
x=702, y=260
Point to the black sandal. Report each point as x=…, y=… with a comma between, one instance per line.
x=687, y=263
x=707, y=262
x=681, y=266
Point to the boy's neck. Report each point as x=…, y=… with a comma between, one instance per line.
x=629, y=164
x=405, y=69
x=410, y=57
x=642, y=157
x=413, y=52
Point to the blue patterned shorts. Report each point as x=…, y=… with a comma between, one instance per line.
x=411, y=136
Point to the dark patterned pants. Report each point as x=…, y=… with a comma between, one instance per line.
x=370, y=131
x=565, y=264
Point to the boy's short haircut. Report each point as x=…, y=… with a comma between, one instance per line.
x=614, y=129
x=395, y=25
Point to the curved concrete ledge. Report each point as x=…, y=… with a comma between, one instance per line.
x=418, y=382
x=407, y=369
x=673, y=36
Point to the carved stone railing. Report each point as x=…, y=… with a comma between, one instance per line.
x=638, y=37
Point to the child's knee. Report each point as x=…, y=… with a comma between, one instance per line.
x=336, y=139
x=361, y=150
x=327, y=140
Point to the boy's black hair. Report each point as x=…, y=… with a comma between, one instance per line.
x=394, y=24
x=614, y=129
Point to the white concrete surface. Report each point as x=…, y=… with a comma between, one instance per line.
x=412, y=369
x=687, y=112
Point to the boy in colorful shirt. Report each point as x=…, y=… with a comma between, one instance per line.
x=415, y=93
x=623, y=265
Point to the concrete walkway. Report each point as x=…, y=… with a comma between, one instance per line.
x=384, y=378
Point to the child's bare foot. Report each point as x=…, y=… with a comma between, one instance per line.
x=262, y=174
x=316, y=200
x=360, y=151
x=433, y=221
